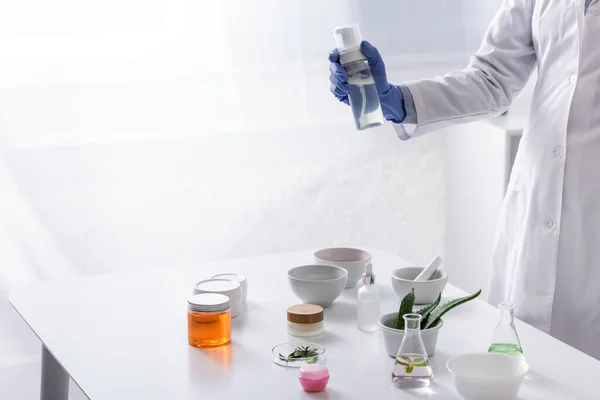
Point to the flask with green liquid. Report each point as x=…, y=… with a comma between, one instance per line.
x=506, y=340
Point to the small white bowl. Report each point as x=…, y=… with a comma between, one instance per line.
x=425, y=292
x=317, y=284
x=487, y=376
x=392, y=337
x=229, y=288
x=352, y=260
x=238, y=278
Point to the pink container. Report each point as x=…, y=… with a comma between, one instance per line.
x=313, y=377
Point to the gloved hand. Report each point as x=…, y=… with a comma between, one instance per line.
x=390, y=96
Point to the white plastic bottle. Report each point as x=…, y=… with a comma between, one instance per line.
x=368, y=302
x=363, y=97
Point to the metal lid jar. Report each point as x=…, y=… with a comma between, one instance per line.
x=209, y=320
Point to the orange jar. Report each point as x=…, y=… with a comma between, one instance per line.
x=209, y=320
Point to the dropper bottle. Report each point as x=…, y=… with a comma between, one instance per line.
x=368, y=302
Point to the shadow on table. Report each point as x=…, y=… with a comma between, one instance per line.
x=249, y=310
x=217, y=357
x=550, y=386
x=327, y=338
x=435, y=391
x=329, y=394
x=341, y=311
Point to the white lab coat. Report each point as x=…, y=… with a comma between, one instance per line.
x=546, y=256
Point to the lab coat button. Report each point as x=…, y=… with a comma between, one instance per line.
x=558, y=151
x=596, y=11
x=573, y=78
x=550, y=224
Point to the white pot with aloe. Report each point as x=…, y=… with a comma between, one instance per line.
x=392, y=325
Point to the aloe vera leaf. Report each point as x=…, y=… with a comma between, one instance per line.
x=405, y=308
x=421, y=362
x=437, y=314
x=425, y=311
x=409, y=368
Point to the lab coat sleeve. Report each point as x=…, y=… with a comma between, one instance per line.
x=409, y=105
x=487, y=86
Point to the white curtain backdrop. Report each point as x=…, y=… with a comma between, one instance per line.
x=139, y=134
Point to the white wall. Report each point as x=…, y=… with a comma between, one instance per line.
x=170, y=131
x=143, y=204
x=475, y=185
x=479, y=158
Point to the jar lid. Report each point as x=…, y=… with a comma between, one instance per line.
x=208, y=302
x=217, y=285
x=313, y=371
x=231, y=276
x=305, y=314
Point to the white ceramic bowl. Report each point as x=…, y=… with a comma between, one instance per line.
x=392, y=337
x=238, y=278
x=352, y=260
x=229, y=288
x=317, y=284
x=487, y=376
x=425, y=292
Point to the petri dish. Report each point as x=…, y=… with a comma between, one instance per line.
x=283, y=350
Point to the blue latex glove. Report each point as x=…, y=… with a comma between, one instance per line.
x=390, y=96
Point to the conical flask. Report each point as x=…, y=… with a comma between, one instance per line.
x=411, y=367
x=506, y=340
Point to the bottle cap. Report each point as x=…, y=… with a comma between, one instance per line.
x=347, y=40
x=347, y=37
x=368, y=277
x=305, y=314
x=208, y=303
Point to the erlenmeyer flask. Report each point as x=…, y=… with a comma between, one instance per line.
x=506, y=340
x=411, y=367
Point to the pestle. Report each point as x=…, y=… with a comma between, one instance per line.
x=429, y=270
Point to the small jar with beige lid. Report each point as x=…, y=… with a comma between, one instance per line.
x=305, y=320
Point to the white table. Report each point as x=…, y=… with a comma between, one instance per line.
x=124, y=336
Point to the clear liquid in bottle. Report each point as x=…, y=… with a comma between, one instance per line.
x=368, y=312
x=363, y=97
x=368, y=302
x=412, y=369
